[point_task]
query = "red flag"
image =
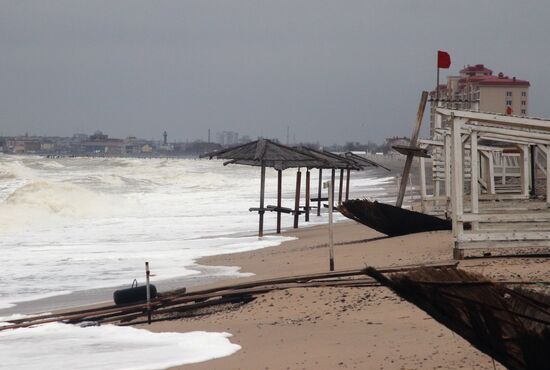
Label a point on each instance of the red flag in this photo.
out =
(443, 59)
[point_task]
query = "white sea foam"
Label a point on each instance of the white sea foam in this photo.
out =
(62, 346)
(79, 223)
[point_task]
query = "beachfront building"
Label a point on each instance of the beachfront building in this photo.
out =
(477, 89)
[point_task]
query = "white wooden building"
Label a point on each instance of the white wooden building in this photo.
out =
(484, 179)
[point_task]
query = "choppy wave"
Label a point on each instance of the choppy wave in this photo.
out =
(60, 198)
(70, 224)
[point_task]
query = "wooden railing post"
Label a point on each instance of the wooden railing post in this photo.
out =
(297, 198)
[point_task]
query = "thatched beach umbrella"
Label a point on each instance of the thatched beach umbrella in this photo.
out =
(266, 153)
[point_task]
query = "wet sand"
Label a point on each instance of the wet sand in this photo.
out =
(344, 328)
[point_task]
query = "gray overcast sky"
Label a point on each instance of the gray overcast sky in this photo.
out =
(334, 71)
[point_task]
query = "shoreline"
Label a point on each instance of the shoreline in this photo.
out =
(208, 273)
(91, 295)
(335, 327)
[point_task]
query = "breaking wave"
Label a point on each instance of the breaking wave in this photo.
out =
(60, 198)
(43, 203)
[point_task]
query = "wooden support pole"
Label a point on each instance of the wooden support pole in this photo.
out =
(148, 292)
(262, 196)
(330, 185)
(307, 194)
(503, 161)
(474, 165)
(341, 186)
(488, 171)
(423, 184)
(524, 165)
(279, 200)
(447, 141)
(319, 192)
(547, 151)
(457, 188)
(297, 198)
(333, 178)
(491, 171)
(348, 174)
(436, 181)
(533, 190)
(414, 139)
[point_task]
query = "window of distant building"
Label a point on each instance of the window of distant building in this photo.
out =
(524, 93)
(508, 102)
(523, 102)
(508, 93)
(523, 111)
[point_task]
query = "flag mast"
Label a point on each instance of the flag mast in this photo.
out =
(437, 83)
(443, 61)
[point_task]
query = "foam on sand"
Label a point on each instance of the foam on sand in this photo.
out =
(63, 346)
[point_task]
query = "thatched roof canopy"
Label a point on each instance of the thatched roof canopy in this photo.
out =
(263, 152)
(362, 161)
(332, 160)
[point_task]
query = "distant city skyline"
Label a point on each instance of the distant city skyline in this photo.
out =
(331, 71)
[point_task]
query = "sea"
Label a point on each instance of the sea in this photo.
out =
(72, 230)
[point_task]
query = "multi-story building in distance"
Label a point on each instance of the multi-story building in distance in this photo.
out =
(227, 138)
(477, 89)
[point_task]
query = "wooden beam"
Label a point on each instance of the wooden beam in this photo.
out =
(507, 244)
(509, 132)
(497, 216)
(179, 298)
(512, 139)
(508, 236)
(414, 138)
(540, 124)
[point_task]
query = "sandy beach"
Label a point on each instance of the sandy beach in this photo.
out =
(348, 328)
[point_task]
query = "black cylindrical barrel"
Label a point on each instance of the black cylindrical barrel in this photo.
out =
(133, 295)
